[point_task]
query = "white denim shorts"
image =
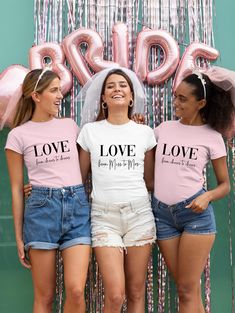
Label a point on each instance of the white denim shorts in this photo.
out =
(122, 225)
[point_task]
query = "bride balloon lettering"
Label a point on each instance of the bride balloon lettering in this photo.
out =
(93, 56)
(83, 64)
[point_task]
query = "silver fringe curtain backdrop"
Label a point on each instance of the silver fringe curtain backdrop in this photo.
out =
(187, 21)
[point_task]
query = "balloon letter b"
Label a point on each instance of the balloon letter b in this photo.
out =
(93, 55)
(54, 51)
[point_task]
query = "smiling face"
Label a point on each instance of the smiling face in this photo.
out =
(117, 92)
(48, 102)
(187, 107)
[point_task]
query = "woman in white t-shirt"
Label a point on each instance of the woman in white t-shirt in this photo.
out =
(121, 154)
(182, 207)
(56, 215)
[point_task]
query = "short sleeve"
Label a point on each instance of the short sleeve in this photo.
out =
(217, 148)
(82, 139)
(76, 128)
(157, 131)
(151, 142)
(14, 142)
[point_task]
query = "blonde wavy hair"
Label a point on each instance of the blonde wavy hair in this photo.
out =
(26, 104)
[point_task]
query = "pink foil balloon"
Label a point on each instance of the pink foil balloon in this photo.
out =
(189, 58)
(120, 44)
(11, 80)
(145, 40)
(37, 54)
(93, 54)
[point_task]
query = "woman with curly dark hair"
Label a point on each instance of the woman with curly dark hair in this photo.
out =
(182, 206)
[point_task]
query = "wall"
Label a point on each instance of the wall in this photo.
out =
(16, 33)
(222, 273)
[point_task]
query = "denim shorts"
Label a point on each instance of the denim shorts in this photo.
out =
(122, 225)
(172, 220)
(56, 218)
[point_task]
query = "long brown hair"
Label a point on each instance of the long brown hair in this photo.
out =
(26, 105)
(103, 113)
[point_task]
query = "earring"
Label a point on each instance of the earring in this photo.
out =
(104, 109)
(131, 103)
(104, 105)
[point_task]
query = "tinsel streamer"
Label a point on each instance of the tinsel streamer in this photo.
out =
(149, 289)
(50, 20)
(207, 286)
(192, 17)
(59, 282)
(60, 19)
(168, 295)
(161, 284)
(71, 27)
(182, 29)
(35, 11)
(71, 22)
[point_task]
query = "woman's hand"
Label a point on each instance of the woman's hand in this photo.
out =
(27, 190)
(138, 118)
(223, 187)
(21, 254)
(200, 203)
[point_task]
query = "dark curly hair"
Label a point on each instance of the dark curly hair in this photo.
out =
(219, 111)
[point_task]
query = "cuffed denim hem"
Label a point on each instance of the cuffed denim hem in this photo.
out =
(37, 245)
(76, 241)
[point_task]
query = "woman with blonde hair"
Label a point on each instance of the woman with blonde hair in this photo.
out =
(56, 215)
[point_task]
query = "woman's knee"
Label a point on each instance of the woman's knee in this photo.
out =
(116, 299)
(46, 298)
(136, 293)
(75, 293)
(187, 291)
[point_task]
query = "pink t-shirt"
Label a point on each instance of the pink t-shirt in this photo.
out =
(181, 156)
(49, 150)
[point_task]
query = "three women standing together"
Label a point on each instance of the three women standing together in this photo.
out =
(121, 155)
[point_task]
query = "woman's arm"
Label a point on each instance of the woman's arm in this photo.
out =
(16, 173)
(85, 163)
(149, 169)
(223, 186)
(222, 177)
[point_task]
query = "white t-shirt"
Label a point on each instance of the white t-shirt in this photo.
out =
(117, 159)
(49, 150)
(181, 156)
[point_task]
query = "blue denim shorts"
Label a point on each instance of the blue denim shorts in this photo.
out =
(172, 220)
(56, 218)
